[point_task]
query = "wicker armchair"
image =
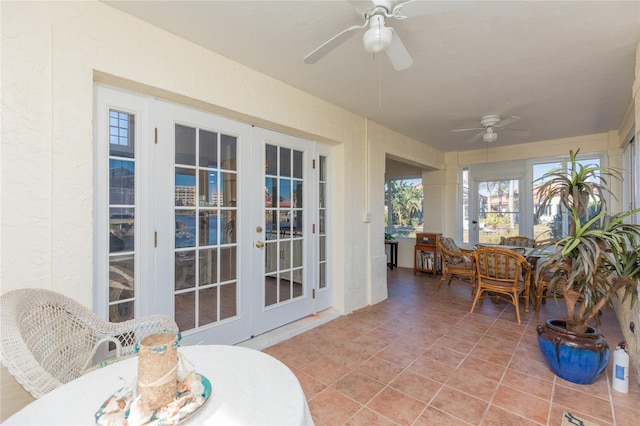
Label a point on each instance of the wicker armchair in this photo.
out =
(48, 339)
(502, 274)
(457, 262)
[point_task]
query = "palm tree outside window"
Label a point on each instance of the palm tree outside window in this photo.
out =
(403, 207)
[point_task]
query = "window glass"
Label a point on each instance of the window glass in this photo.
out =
(554, 222)
(122, 215)
(498, 210)
(543, 223)
(465, 205)
(403, 207)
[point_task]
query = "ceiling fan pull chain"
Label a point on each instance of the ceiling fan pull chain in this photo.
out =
(379, 83)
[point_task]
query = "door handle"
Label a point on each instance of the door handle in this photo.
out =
(259, 244)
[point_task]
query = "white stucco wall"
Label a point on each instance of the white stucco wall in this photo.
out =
(52, 52)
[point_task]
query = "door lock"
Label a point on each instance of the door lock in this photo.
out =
(259, 244)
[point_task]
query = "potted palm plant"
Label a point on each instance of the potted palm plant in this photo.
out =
(597, 260)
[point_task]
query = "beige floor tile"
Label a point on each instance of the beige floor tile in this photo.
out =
(325, 370)
(532, 385)
(417, 386)
(397, 406)
(359, 387)
(497, 416)
(472, 365)
(460, 404)
(332, 407)
(582, 402)
(366, 417)
(397, 355)
(522, 404)
(473, 384)
(431, 368)
(432, 416)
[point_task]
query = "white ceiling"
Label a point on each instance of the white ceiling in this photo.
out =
(566, 67)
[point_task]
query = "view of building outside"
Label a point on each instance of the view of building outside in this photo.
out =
(403, 207)
(498, 210)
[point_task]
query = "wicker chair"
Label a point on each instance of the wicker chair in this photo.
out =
(457, 262)
(48, 339)
(502, 273)
(518, 241)
(543, 290)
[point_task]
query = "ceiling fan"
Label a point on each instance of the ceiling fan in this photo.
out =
(490, 126)
(378, 37)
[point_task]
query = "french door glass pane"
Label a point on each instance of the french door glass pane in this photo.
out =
(284, 224)
(185, 145)
(322, 229)
(121, 289)
(122, 208)
(499, 210)
(205, 227)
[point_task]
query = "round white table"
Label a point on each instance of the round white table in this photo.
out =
(248, 387)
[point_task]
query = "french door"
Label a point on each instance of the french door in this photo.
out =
(495, 202)
(231, 221)
(200, 178)
(283, 256)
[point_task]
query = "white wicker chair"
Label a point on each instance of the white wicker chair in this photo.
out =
(48, 339)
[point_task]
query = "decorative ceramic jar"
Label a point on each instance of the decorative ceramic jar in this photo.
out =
(576, 357)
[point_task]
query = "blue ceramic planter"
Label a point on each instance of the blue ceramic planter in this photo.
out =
(576, 357)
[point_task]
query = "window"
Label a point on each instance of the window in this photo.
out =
(498, 207)
(553, 222)
(544, 220)
(465, 205)
(403, 207)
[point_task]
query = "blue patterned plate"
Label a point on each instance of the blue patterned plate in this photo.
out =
(122, 396)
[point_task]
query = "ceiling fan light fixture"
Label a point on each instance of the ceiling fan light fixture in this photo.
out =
(378, 37)
(490, 136)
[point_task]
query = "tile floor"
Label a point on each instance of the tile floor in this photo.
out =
(420, 358)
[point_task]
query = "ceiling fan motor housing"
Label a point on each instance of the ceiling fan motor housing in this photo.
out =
(490, 120)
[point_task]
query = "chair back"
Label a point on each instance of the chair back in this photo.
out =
(500, 265)
(518, 241)
(48, 339)
(450, 251)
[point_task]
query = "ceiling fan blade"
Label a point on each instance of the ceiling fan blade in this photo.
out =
(506, 121)
(466, 130)
(332, 43)
(362, 5)
(398, 54)
(476, 137)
